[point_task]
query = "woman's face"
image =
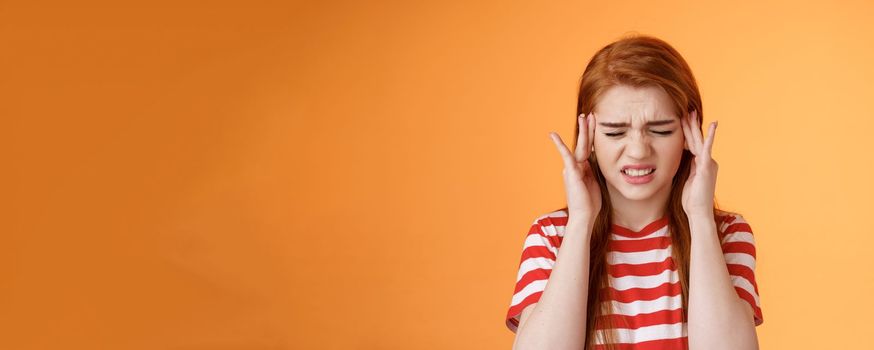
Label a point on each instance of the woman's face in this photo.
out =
(638, 128)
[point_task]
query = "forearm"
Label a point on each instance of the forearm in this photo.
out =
(558, 320)
(717, 316)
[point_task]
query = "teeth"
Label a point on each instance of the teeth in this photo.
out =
(637, 172)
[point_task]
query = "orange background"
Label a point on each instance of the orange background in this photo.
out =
(361, 175)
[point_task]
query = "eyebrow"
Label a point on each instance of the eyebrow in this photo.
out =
(625, 125)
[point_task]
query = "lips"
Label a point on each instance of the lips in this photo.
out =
(638, 180)
(638, 166)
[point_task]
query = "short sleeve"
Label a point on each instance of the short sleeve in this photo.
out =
(538, 257)
(739, 250)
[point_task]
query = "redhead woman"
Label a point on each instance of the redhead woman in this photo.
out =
(641, 257)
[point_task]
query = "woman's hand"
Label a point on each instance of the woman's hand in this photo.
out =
(583, 193)
(700, 187)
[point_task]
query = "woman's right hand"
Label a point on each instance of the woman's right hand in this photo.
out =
(583, 193)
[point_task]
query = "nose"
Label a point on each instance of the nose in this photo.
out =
(638, 146)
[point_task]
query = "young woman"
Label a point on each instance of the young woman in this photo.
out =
(641, 257)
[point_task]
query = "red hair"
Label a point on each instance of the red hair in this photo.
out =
(636, 61)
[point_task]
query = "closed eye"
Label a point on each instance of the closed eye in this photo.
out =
(663, 133)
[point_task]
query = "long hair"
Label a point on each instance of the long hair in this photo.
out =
(636, 61)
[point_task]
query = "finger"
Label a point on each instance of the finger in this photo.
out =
(591, 127)
(588, 174)
(694, 166)
(582, 139)
(566, 155)
(685, 137)
(696, 129)
(711, 134)
(687, 134)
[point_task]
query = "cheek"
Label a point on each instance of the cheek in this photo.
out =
(675, 141)
(672, 151)
(604, 149)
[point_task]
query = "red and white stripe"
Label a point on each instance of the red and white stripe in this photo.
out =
(644, 289)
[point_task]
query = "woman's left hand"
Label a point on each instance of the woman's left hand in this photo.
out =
(698, 192)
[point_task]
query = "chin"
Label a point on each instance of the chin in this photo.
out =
(637, 194)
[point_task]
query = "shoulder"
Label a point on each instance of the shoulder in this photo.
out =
(733, 226)
(551, 223)
(559, 214)
(726, 218)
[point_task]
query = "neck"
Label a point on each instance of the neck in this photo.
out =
(636, 214)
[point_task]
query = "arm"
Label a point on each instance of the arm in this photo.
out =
(718, 318)
(558, 319)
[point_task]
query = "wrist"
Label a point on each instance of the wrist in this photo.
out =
(579, 225)
(699, 213)
(701, 221)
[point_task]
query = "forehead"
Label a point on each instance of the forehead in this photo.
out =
(626, 103)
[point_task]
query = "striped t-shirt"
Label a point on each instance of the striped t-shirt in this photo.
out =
(647, 295)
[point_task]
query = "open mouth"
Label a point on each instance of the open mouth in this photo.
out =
(638, 172)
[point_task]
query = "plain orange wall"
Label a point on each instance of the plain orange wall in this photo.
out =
(361, 175)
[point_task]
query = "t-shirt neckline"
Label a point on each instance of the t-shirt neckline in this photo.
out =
(648, 229)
